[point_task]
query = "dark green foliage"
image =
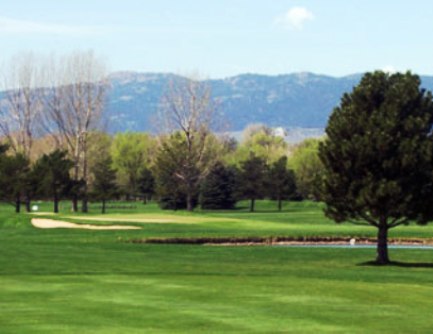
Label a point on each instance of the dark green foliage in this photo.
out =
(281, 182)
(218, 188)
(13, 177)
(171, 195)
(56, 182)
(146, 184)
(104, 185)
(252, 179)
(34, 184)
(169, 170)
(378, 155)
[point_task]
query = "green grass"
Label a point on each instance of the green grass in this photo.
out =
(69, 281)
(296, 219)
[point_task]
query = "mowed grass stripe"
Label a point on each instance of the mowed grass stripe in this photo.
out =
(296, 289)
(69, 281)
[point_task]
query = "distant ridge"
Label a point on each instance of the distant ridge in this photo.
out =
(293, 101)
(298, 100)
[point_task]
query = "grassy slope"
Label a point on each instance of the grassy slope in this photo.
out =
(91, 281)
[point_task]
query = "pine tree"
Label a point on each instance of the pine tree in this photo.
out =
(146, 184)
(281, 183)
(104, 185)
(56, 181)
(252, 179)
(218, 188)
(13, 177)
(176, 179)
(378, 155)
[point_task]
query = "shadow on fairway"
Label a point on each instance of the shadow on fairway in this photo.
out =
(398, 264)
(247, 211)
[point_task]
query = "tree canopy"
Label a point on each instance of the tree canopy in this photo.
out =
(56, 181)
(104, 185)
(307, 167)
(281, 183)
(378, 155)
(131, 153)
(252, 179)
(218, 188)
(263, 142)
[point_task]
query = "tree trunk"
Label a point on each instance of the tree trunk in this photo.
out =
(382, 245)
(75, 175)
(252, 204)
(74, 203)
(28, 203)
(189, 205)
(18, 203)
(85, 202)
(280, 204)
(56, 203)
(103, 206)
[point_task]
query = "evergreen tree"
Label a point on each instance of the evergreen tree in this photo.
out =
(34, 184)
(281, 183)
(175, 178)
(13, 177)
(252, 179)
(218, 188)
(146, 184)
(378, 155)
(104, 185)
(56, 181)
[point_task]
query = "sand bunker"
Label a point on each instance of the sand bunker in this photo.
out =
(137, 220)
(50, 223)
(132, 220)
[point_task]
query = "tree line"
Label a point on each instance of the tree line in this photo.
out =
(51, 117)
(141, 167)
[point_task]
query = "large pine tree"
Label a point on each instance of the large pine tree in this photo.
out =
(378, 155)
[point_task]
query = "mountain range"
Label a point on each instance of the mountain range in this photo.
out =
(294, 101)
(300, 102)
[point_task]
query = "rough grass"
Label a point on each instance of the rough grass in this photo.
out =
(69, 281)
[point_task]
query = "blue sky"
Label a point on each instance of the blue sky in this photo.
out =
(220, 38)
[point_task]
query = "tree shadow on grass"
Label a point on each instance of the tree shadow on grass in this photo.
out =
(246, 210)
(398, 264)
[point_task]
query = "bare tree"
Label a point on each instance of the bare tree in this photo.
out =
(74, 105)
(20, 108)
(187, 108)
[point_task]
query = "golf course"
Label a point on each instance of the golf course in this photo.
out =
(73, 280)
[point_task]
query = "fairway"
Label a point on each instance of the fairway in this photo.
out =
(69, 281)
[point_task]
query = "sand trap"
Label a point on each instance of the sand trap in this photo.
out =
(50, 223)
(133, 220)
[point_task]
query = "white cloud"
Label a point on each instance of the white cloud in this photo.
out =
(14, 26)
(295, 18)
